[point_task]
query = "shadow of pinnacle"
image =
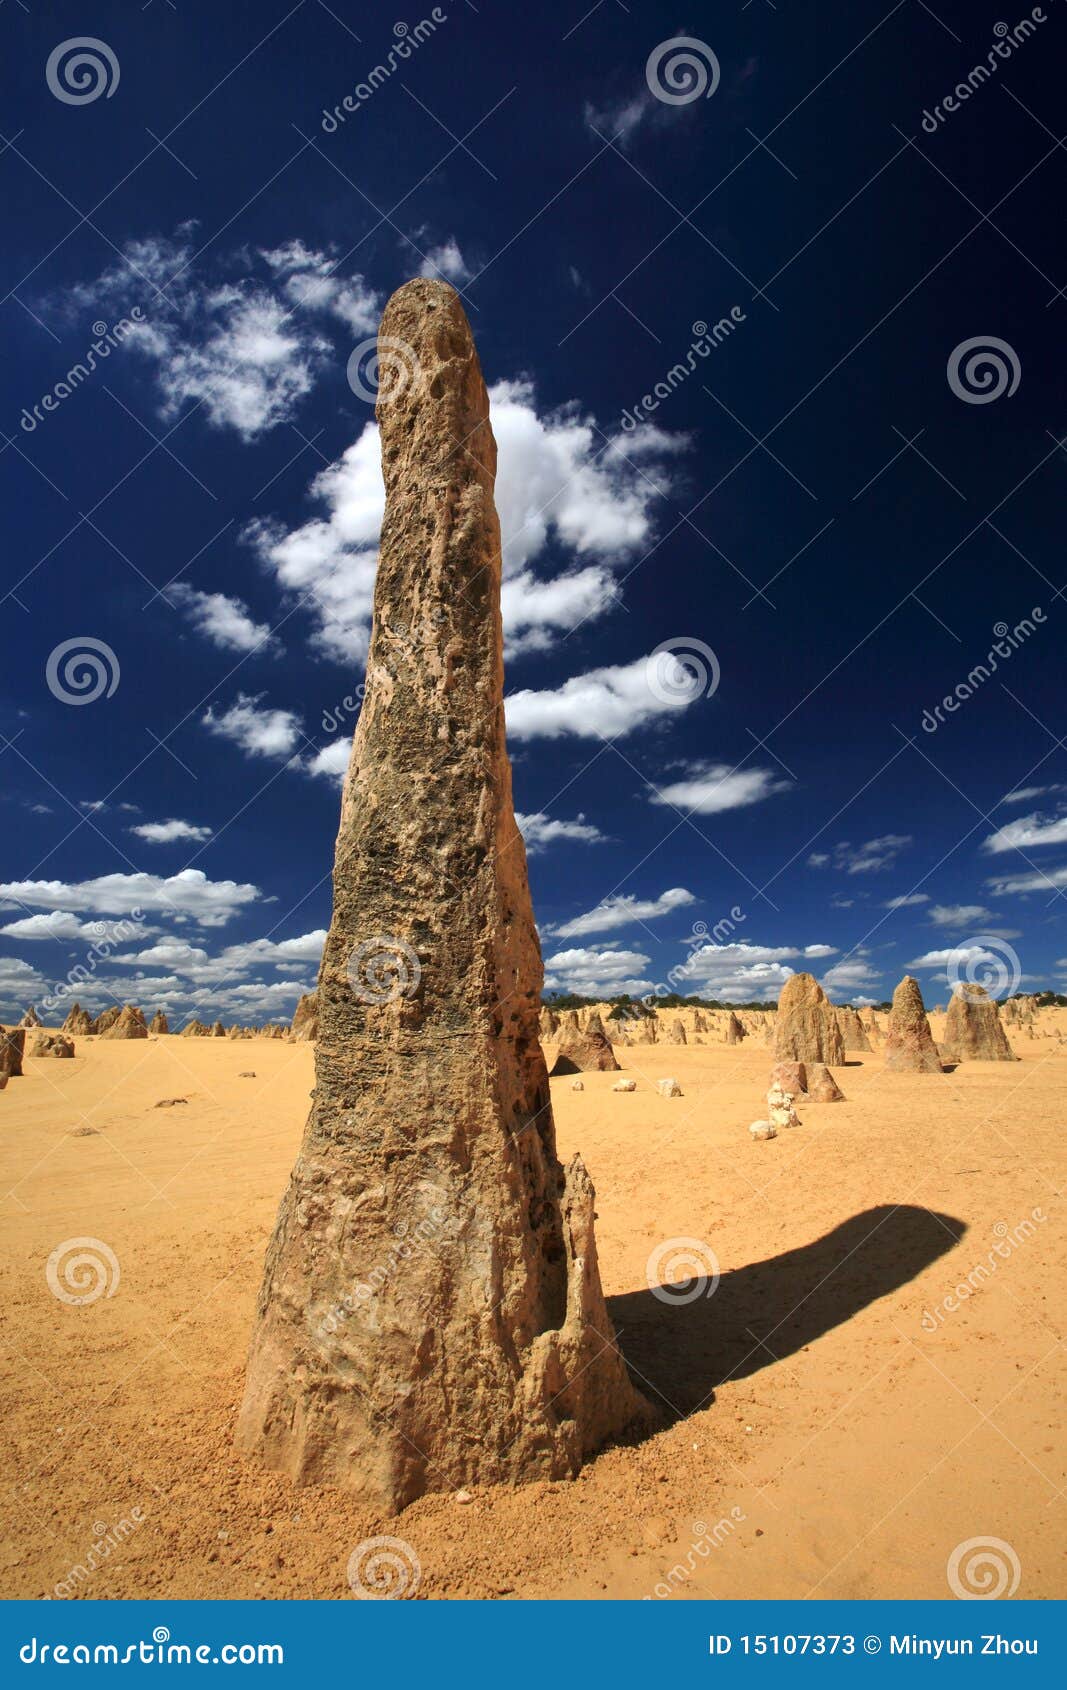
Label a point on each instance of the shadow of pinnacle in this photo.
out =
(680, 1351)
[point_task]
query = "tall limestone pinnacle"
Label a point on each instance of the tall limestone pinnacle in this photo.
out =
(431, 1312)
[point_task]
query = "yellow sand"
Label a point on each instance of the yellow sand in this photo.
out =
(821, 1442)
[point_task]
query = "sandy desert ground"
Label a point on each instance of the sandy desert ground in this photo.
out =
(820, 1438)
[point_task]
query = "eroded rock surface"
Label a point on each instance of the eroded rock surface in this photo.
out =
(431, 1315)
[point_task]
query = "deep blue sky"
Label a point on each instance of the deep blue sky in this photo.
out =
(589, 226)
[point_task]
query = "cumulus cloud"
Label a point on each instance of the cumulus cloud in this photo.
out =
(446, 262)
(258, 731)
(562, 487)
(593, 973)
(958, 915)
(247, 351)
(65, 925)
(175, 956)
(623, 911)
(332, 761)
(1040, 881)
(738, 972)
(603, 704)
(188, 894)
(907, 900)
(868, 858)
(225, 621)
(166, 833)
(963, 956)
(845, 978)
(540, 831)
(1027, 833)
(20, 983)
(710, 788)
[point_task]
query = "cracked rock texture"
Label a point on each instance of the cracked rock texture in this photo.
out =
(431, 1314)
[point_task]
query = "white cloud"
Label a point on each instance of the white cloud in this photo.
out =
(844, 978)
(1024, 794)
(624, 911)
(179, 958)
(1027, 833)
(739, 972)
(247, 352)
(602, 704)
(225, 621)
(964, 956)
(540, 831)
(19, 985)
(188, 894)
(332, 761)
(619, 122)
(446, 262)
(907, 901)
(65, 925)
(561, 486)
(259, 732)
(594, 972)
(868, 858)
(958, 915)
(1039, 881)
(165, 833)
(818, 859)
(710, 788)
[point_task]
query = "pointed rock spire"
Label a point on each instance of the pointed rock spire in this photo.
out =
(431, 1313)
